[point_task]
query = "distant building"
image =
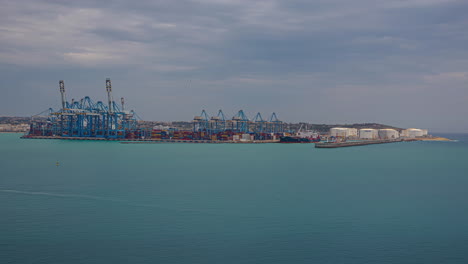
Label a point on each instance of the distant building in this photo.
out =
(14, 127)
(5, 127)
(388, 134)
(368, 133)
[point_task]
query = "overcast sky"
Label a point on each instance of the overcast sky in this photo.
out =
(398, 62)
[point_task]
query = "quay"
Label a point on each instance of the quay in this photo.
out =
(148, 141)
(199, 141)
(358, 143)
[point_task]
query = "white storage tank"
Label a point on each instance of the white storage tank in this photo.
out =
(404, 133)
(414, 132)
(339, 132)
(368, 133)
(388, 134)
(352, 132)
(344, 132)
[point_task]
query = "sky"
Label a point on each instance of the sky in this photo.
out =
(398, 62)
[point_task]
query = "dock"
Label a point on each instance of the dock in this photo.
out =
(150, 141)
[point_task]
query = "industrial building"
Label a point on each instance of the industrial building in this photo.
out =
(388, 134)
(368, 133)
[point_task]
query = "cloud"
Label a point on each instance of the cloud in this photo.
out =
(90, 58)
(86, 36)
(301, 57)
(445, 77)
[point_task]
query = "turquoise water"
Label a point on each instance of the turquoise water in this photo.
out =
(232, 203)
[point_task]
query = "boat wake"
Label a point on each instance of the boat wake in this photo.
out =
(63, 195)
(106, 199)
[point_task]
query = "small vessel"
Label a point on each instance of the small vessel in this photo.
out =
(306, 136)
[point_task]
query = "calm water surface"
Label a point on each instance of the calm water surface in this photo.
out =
(232, 203)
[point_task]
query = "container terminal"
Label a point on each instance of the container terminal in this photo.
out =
(86, 119)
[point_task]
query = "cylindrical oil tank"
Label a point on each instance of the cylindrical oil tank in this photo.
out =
(388, 134)
(368, 133)
(352, 132)
(413, 132)
(338, 132)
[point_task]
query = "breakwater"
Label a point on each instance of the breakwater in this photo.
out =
(357, 143)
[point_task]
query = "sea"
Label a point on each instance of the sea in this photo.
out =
(67, 202)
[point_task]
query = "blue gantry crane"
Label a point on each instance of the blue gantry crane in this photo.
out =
(218, 123)
(240, 122)
(259, 125)
(201, 123)
(84, 118)
(274, 125)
